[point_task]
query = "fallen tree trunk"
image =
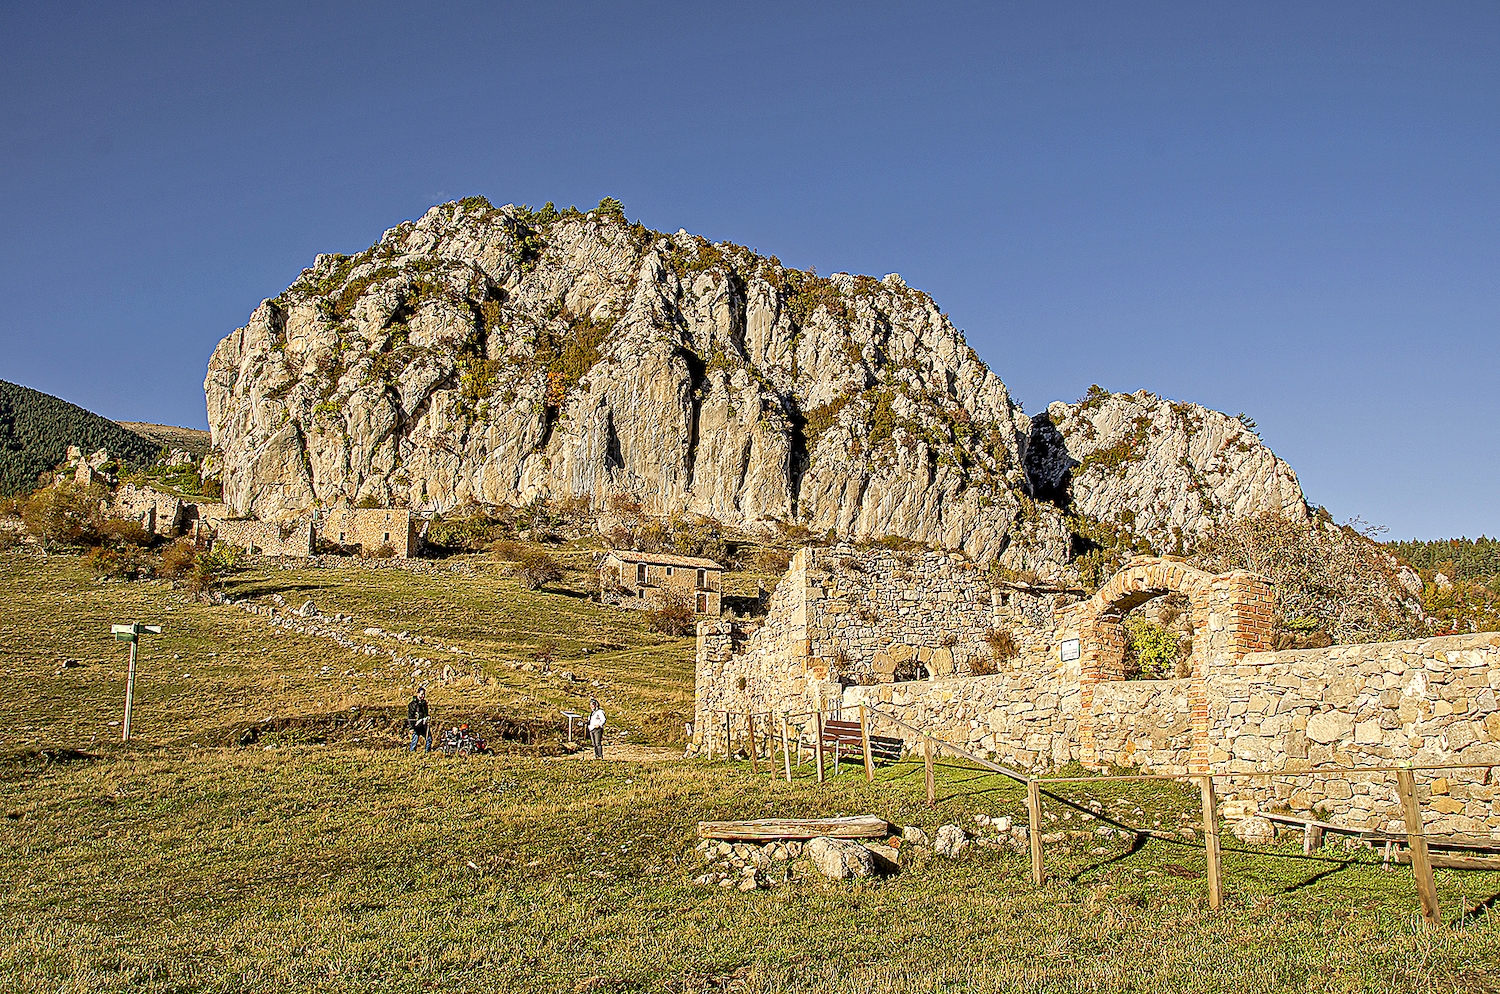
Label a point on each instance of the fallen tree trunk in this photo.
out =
(854, 827)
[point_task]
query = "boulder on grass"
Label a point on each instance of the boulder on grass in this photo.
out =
(951, 841)
(839, 859)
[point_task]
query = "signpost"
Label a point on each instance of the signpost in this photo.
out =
(131, 633)
(571, 716)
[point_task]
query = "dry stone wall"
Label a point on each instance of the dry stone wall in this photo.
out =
(1428, 702)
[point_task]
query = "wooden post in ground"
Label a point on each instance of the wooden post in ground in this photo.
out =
(754, 746)
(1034, 832)
(927, 762)
(864, 734)
(1421, 865)
(1211, 844)
(786, 748)
(1312, 838)
(728, 740)
(818, 743)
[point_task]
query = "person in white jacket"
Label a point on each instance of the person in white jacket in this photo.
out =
(596, 728)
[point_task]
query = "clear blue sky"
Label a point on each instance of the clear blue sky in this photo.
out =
(1284, 209)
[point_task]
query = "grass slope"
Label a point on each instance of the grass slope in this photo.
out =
(37, 428)
(167, 867)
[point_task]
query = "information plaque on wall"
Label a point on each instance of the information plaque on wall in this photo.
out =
(1070, 650)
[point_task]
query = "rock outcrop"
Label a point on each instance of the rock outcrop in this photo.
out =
(1155, 469)
(495, 355)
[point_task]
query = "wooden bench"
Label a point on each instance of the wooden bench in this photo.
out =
(847, 739)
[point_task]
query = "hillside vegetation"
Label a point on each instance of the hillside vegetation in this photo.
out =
(37, 428)
(1460, 578)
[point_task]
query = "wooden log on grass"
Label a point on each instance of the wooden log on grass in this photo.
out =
(853, 827)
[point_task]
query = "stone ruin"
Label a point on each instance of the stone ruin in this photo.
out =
(915, 635)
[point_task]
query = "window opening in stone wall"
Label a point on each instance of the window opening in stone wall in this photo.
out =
(669, 571)
(702, 603)
(703, 579)
(386, 537)
(1159, 638)
(640, 574)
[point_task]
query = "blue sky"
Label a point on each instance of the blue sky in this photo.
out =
(1291, 210)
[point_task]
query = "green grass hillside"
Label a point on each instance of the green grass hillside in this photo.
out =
(37, 428)
(324, 857)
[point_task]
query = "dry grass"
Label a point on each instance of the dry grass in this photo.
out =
(166, 867)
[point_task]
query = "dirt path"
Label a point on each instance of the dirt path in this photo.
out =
(630, 753)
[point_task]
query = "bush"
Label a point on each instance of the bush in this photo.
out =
(66, 514)
(508, 550)
(1151, 650)
(675, 617)
(1002, 645)
(1329, 573)
(178, 559)
(535, 570)
(124, 562)
(773, 561)
(123, 531)
(210, 568)
(982, 666)
(8, 539)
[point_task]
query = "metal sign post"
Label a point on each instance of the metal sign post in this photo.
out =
(131, 633)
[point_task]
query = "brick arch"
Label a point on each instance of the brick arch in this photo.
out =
(1231, 616)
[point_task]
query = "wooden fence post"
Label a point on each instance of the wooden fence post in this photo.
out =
(753, 744)
(818, 742)
(1211, 844)
(1421, 865)
(786, 748)
(927, 763)
(864, 733)
(728, 740)
(1034, 817)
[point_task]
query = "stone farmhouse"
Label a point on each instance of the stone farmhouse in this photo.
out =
(648, 579)
(1035, 678)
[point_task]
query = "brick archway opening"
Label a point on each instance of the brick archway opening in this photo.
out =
(1231, 615)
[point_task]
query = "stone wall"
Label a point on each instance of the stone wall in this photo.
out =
(1426, 702)
(265, 538)
(159, 513)
(844, 617)
(839, 620)
(1144, 723)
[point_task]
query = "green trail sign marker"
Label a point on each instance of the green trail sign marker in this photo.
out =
(131, 633)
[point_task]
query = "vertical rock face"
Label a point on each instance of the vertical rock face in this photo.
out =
(1159, 470)
(496, 355)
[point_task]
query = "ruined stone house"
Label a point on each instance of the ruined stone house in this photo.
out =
(371, 529)
(650, 579)
(915, 635)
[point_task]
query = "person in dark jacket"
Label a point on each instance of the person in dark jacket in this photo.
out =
(416, 720)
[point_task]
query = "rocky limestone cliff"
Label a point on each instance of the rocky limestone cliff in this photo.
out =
(1155, 469)
(494, 355)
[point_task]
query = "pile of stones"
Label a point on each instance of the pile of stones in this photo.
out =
(746, 866)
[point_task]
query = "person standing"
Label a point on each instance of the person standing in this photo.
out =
(416, 720)
(596, 728)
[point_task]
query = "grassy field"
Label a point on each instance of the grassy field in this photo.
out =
(354, 866)
(217, 666)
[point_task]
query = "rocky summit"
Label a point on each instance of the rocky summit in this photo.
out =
(494, 355)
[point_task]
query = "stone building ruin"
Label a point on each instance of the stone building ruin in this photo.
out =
(914, 635)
